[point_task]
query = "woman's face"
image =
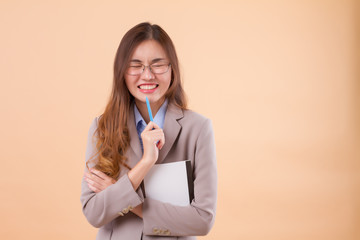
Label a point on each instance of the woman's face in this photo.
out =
(148, 84)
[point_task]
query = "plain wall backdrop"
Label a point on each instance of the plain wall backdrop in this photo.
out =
(279, 79)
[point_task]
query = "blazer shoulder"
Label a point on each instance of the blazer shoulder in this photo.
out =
(95, 120)
(195, 118)
(93, 126)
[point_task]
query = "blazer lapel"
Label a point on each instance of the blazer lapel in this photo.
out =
(134, 138)
(171, 129)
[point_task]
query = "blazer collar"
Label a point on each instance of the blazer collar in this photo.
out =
(171, 130)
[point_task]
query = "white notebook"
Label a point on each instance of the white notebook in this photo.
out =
(170, 183)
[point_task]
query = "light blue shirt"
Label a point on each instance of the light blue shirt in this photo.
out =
(158, 119)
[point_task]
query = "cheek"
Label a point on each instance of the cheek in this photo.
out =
(130, 83)
(166, 81)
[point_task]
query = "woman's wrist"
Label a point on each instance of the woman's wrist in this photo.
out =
(148, 160)
(138, 173)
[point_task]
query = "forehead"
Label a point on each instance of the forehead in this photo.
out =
(148, 50)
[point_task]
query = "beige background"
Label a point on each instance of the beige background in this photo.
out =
(279, 79)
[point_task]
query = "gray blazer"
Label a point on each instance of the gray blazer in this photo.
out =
(188, 136)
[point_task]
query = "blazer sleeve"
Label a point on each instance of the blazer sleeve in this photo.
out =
(196, 219)
(116, 200)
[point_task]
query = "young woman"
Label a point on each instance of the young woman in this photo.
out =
(123, 144)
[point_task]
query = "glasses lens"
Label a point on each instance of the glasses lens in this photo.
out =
(138, 68)
(135, 69)
(160, 67)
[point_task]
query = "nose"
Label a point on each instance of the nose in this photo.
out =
(147, 74)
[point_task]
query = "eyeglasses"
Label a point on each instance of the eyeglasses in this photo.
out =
(135, 69)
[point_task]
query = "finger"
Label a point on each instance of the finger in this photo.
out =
(154, 132)
(99, 173)
(150, 126)
(102, 180)
(89, 175)
(151, 137)
(161, 142)
(93, 188)
(96, 178)
(100, 183)
(94, 183)
(157, 138)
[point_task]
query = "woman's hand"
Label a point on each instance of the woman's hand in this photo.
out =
(97, 180)
(138, 210)
(153, 139)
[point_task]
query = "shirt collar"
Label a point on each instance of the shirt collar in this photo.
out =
(158, 119)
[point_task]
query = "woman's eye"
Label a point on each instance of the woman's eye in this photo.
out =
(135, 66)
(158, 65)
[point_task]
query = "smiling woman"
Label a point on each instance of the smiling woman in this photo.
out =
(123, 145)
(154, 77)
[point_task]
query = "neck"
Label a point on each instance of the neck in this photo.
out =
(142, 107)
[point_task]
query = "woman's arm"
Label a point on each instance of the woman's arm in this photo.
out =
(103, 199)
(153, 140)
(198, 218)
(114, 201)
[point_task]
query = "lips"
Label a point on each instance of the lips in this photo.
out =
(148, 87)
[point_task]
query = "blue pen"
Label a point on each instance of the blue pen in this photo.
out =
(149, 109)
(150, 113)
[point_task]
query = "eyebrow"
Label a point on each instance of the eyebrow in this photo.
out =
(157, 60)
(152, 61)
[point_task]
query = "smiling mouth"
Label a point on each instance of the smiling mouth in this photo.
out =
(148, 86)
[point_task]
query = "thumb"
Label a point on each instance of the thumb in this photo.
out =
(151, 125)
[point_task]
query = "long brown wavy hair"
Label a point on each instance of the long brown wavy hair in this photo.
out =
(112, 133)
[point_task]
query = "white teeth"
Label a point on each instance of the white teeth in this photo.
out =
(147, 87)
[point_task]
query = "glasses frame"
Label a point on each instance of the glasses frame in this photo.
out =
(148, 66)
